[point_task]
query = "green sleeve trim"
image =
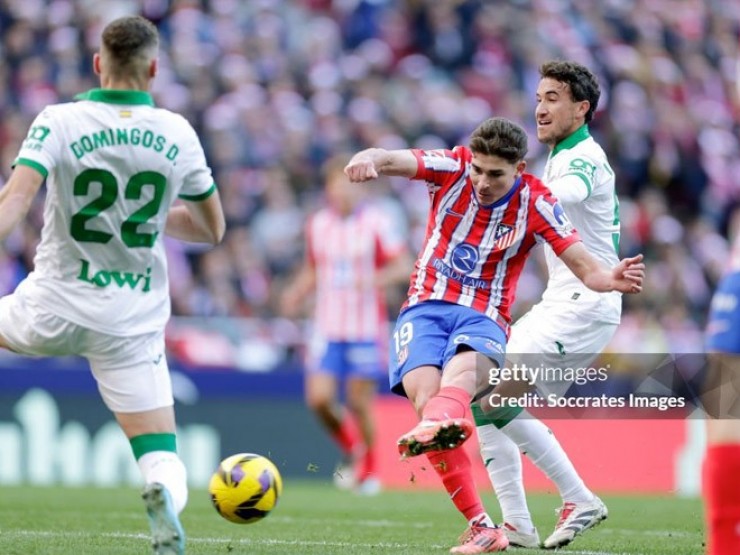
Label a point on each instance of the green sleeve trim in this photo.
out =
(148, 443)
(585, 180)
(202, 196)
(499, 417)
(32, 164)
(615, 242)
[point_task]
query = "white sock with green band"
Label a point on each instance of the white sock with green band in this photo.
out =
(158, 461)
(544, 450)
(504, 466)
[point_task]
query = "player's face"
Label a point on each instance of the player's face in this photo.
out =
(493, 177)
(557, 114)
(342, 195)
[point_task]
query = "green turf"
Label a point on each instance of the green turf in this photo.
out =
(314, 518)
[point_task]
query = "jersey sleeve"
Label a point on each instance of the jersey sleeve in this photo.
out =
(197, 182)
(570, 189)
(577, 181)
(550, 224)
(439, 168)
(41, 148)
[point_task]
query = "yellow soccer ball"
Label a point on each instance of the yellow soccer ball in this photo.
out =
(245, 488)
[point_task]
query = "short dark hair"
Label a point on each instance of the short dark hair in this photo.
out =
(582, 82)
(500, 137)
(130, 41)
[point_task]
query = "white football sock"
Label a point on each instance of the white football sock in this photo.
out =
(166, 468)
(544, 450)
(504, 466)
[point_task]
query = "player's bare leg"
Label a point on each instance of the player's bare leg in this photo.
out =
(320, 391)
(360, 395)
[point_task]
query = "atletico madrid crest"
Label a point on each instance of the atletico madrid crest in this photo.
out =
(503, 238)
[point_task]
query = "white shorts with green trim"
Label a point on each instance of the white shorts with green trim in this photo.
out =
(131, 372)
(558, 336)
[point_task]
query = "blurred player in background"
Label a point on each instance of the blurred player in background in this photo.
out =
(570, 321)
(114, 165)
(721, 472)
(486, 215)
(354, 252)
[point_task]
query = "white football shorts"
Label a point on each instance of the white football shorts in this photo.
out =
(558, 336)
(131, 372)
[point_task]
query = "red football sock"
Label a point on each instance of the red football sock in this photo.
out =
(346, 436)
(456, 471)
(722, 498)
(450, 402)
(367, 464)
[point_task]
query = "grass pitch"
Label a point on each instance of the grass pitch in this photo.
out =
(314, 518)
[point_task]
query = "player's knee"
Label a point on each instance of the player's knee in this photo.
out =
(321, 404)
(420, 386)
(360, 408)
(421, 398)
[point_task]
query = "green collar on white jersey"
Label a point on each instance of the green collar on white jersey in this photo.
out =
(117, 96)
(580, 134)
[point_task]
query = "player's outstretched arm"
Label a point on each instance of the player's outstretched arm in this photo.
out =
(294, 296)
(16, 197)
(200, 222)
(368, 164)
(625, 277)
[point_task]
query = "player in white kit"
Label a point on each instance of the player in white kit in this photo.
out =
(571, 323)
(114, 165)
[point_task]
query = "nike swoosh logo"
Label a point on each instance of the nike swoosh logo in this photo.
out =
(157, 360)
(451, 212)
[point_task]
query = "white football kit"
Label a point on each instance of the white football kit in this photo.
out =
(573, 323)
(114, 165)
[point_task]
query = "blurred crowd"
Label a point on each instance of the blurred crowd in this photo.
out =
(275, 87)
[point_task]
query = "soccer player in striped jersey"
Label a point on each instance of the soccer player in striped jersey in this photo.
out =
(114, 164)
(486, 215)
(354, 252)
(721, 400)
(571, 325)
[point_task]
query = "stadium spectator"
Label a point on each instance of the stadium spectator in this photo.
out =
(571, 325)
(486, 215)
(277, 84)
(354, 254)
(99, 288)
(286, 85)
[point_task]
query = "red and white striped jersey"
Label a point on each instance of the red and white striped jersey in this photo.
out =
(347, 252)
(472, 254)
